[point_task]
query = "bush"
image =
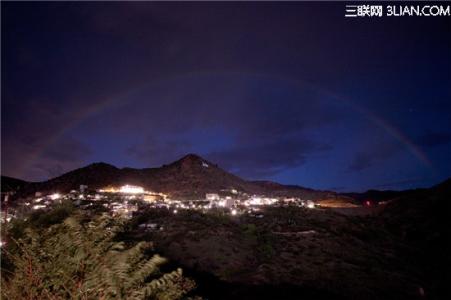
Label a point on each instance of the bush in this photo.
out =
(56, 215)
(250, 232)
(83, 261)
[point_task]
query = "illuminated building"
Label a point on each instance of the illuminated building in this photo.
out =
(310, 204)
(131, 189)
(55, 196)
(212, 197)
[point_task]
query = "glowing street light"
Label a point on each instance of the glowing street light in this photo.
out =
(38, 206)
(55, 196)
(310, 204)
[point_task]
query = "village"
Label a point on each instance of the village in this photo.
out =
(126, 200)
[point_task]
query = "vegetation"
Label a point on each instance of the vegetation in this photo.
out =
(82, 259)
(283, 253)
(262, 239)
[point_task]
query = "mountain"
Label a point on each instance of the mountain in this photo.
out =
(187, 178)
(9, 184)
(190, 177)
(419, 220)
(416, 212)
(276, 189)
(376, 196)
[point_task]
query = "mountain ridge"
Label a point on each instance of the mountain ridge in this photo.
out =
(189, 177)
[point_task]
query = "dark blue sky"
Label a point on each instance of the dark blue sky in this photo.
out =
(292, 92)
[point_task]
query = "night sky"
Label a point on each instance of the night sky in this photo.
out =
(291, 92)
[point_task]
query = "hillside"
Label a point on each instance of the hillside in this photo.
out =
(276, 189)
(419, 219)
(188, 178)
(11, 184)
(377, 196)
(401, 252)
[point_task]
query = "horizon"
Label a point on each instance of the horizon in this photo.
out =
(225, 150)
(289, 92)
(246, 179)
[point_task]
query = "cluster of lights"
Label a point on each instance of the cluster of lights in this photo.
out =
(55, 196)
(260, 201)
(125, 189)
(134, 191)
(124, 209)
(43, 202)
(121, 205)
(131, 189)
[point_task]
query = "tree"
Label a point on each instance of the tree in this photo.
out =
(76, 260)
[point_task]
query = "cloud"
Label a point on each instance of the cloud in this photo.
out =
(28, 132)
(154, 153)
(42, 161)
(258, 161)
(361, 162)
(374, 153)
(398, 183)
(62, 156)
(256, 158)
(118, 74)
(433, 139)
(250, 124)
(336, 188)
(47, 170)
(67, 150)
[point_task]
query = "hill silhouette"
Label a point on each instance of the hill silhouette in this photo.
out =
(189, 177)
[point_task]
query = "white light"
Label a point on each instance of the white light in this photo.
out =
(2, 243)
(38, 206)
(234, 212)
(131, 189)
(175, 211)
(55, 196)
(310, 204)
(256, 201)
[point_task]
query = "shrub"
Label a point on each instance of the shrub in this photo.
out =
(57, 215)
(83, 261)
